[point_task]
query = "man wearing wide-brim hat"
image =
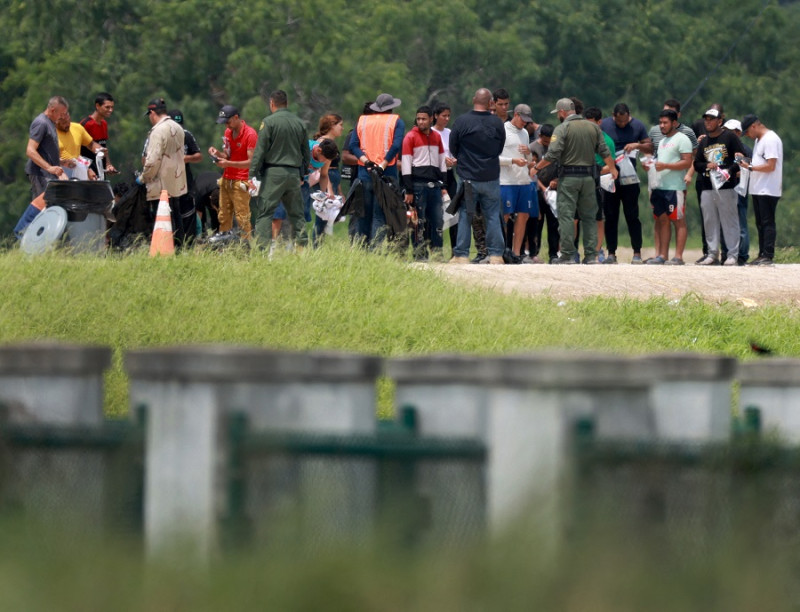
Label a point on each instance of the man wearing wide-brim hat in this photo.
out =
(376, 142)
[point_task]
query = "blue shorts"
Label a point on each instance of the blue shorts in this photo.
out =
(519, 199)
(280, 212)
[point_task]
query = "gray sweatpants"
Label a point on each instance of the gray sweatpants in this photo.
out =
(720, 210)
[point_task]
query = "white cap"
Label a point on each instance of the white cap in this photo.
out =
(733, 124)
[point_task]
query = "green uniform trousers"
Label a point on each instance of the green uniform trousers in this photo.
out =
(577, 193)
(279, 185)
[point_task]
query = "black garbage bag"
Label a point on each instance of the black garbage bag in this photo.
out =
(79, 198)
(354, 202)
(134, 220)
(390, 199)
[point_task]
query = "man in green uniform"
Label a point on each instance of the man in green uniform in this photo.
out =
(574, 145)
(279, 162)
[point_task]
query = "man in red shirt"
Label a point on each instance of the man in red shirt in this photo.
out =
(234, 199)
(424, 169)
(97, 127)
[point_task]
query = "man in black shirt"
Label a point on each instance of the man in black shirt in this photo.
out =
(476, 141)
(717, 175)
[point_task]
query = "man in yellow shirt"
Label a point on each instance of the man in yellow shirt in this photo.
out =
(71, 137)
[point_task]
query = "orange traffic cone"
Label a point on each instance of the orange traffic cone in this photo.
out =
(162, 242)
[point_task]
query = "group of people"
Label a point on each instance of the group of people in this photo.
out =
(280, 157)
(506, 177)
(517, 176)
(59, 148)
(496, 176)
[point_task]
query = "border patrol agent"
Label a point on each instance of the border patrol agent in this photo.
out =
(574, 145)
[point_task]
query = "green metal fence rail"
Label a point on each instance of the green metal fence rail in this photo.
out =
(118, 443)
(396, 448)
(747, 449)
(692, 495)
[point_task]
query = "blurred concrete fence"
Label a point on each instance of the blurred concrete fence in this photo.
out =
(233, 446)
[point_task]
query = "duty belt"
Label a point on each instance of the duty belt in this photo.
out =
(577, 170)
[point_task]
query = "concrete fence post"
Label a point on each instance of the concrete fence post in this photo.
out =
(189, 393)
(60, 385)
(53, 383)
(773, 386)
(691, 396)
(525, 407)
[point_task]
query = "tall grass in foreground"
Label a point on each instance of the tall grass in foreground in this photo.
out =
(609, 568)
(340, 298)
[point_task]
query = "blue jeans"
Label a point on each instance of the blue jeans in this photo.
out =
(487, 195)
(428, 202)
(744, 233)
(25, 220)
(335, 179)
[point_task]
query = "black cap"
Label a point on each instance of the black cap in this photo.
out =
(747, 121)
(226, 112)
(177, 116)
(158, 105)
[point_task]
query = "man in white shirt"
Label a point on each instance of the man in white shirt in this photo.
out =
(766, 184)
(516, 189)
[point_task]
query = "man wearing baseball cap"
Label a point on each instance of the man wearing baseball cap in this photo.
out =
(714, 161)
(766, 184)
(239, 142)
(741, 200)
(574, 146)
(516, 191)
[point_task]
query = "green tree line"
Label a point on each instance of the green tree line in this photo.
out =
(335, 55)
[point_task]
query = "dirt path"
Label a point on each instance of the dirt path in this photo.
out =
(750, 286)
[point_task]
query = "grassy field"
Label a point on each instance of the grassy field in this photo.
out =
(347, 299)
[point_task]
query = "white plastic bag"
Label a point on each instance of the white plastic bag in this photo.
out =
(551, 197)
(653, 175)
(79, 170)
(719, 176)
(627, 173)
(608, 183)
(744, 181)
(327, 207)
(448, 220)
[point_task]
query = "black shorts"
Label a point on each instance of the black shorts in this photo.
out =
(600, 202)
(664, 202)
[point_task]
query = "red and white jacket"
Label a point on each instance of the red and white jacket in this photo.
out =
(423, 157)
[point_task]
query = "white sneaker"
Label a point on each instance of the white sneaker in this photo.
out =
(731, 261)
(708, 261)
